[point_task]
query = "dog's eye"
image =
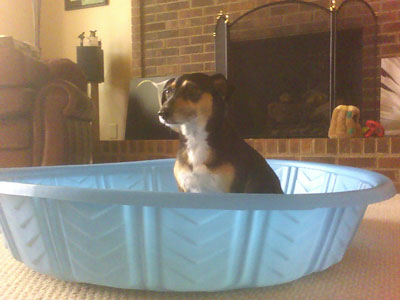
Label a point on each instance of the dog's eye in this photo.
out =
(168, 92)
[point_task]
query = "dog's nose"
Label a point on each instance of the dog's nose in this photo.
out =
(163, 113)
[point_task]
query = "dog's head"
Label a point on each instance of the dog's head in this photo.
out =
(191, 98)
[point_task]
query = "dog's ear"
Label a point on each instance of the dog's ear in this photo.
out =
(220, 84)
(166, 85)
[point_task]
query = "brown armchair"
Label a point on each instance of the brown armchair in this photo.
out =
(45, 114)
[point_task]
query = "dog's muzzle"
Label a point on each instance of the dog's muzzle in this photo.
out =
(164, 115)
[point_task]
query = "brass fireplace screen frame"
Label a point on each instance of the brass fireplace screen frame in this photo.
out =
(222, 41)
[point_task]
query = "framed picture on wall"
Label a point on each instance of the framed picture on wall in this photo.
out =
(77, 4)
(390, 95)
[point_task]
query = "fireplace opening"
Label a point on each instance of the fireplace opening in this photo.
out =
(281, 85)
(292, 61)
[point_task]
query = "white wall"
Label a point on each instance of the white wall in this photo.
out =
(16, 19)
(59, 38)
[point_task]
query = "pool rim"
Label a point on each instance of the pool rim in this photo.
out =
(384, 189)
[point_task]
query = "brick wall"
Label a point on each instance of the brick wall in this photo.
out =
(175, 36)
(378, 154)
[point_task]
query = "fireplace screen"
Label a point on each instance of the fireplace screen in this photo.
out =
(291, 62)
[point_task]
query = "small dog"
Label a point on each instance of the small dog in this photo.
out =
(211, 156)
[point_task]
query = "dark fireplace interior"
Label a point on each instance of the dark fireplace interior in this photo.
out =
(281, 85)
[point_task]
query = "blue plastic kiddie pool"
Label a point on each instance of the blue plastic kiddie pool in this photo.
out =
(125, 225)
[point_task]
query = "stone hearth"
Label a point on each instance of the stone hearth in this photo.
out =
(377, 154)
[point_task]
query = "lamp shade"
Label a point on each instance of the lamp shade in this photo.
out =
(91, 60)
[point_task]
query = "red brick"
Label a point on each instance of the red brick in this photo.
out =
(141, 146)
(191, 49)
(259, 145)
(173, 24)
(200, 21)
(382, 145)
(203, 57)
(369, 145)
(387, 17)
(389, 50)
(389, 162)
(214, 10)
(202, 39)
(190, 31)
(181, 41)
(154, 9)
(306, 146)
(167, 16)
(149, 18)
(190, 13)
(202, 14)
(344, 146)
(332, 146)
(356, 145)
(208, 29)
(151, 36)
(167, 34)
(181, 59)
(319, 159)
(154, 26)
(154, 61)
(201, 3)
(250, 142)
(210, 67)
(189, 68)
(160, 146)
(131, 144)
(150, 146)
(360, 162)
(167, 70)
(282, 145)
(320, 146)
(392, 174)
(169, 147)
(209, 47)
(294, 146)
(150, 71)
(271, 146)
(153, 44)
(177, 5)
(395, 148)
(168, 52)
(390, 5)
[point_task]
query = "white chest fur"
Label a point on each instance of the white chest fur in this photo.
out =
(199, 178)
(202, 180)
(198, 149)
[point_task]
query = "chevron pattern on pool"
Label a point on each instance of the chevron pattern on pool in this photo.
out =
(177, 249)
(181, 249)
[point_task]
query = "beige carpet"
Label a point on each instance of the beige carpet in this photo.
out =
(369, 270)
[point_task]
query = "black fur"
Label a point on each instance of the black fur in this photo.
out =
(252, 174)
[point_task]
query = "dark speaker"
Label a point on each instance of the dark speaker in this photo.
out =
(91, 60)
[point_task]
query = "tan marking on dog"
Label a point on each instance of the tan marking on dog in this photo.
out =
(183, 111)
(186, 110)
(202, 179)
(225, 174)
(204, 106)
(179, 168)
